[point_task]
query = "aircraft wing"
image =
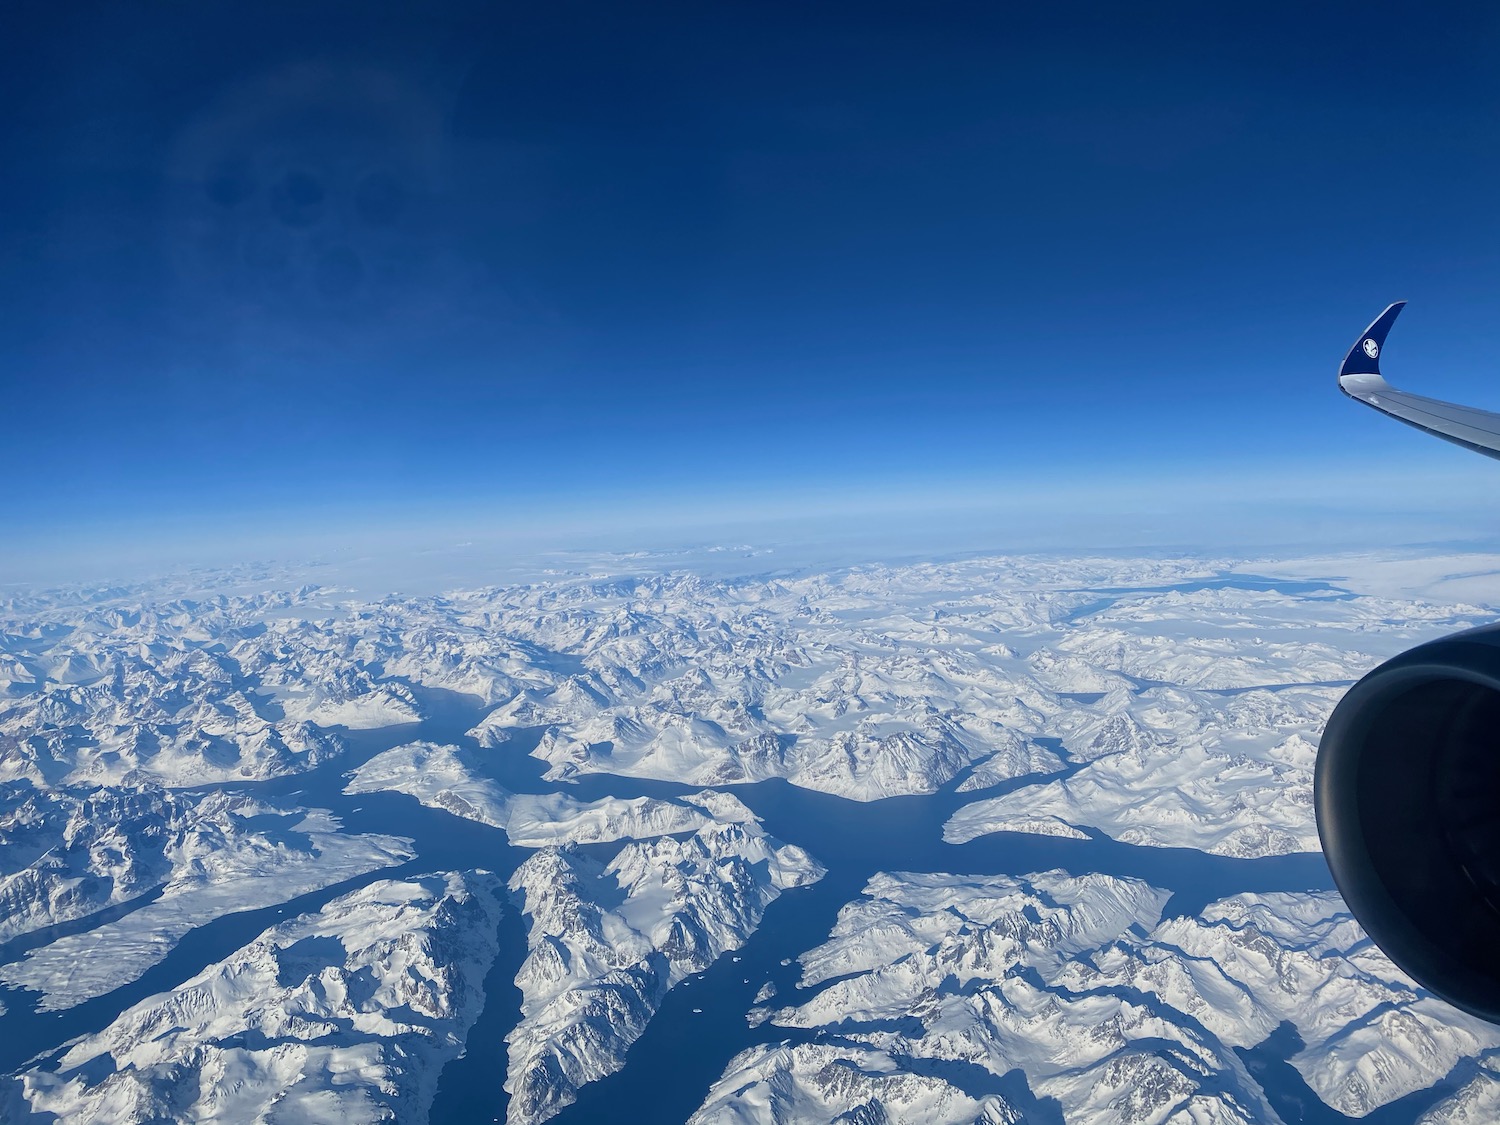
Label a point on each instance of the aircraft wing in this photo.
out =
(1360, 379)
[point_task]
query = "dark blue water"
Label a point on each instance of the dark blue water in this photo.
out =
(1288, 586)
(682, 1052)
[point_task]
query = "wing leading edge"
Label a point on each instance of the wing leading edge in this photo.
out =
(1360, 379)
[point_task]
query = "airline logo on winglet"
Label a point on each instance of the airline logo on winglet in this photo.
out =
(1372, 349)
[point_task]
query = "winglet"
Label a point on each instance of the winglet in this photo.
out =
(1364, 356)
(1360, 379)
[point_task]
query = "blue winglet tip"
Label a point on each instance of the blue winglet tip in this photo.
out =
(1364, 356)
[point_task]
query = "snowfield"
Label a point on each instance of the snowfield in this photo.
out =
(1164, 767)
(345, 1016)
(208, 862)
(595, 975)
(865, 683)
(153, 739)
(1113, 1013)
(438, 777)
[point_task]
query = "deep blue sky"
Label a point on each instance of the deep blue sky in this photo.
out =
(275, 262)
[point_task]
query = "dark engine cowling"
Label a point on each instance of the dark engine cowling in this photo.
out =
(1408, 802)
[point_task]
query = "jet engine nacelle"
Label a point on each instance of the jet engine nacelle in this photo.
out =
(1408, 802)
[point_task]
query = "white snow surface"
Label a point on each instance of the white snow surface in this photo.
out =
(68, 854)
(439, 777)
(1117, 1014)
(1476, 1102)
(215, 864)
(1159, 701)
(344, 1016)
(848, 1083)
(869, 682)
(1168, 767)
(1016, 757)
(608, 940)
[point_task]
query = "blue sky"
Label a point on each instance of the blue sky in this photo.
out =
(275, 267)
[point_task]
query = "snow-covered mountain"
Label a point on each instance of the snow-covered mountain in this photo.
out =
(1165, 767)
(346, 1015)
(439, 778)
(1156, 702)
(608, 940)
(844, 1082)
(68, 855)
(1113, 1014)
(865, 683)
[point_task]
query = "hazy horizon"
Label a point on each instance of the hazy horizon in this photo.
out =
(333, 272)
